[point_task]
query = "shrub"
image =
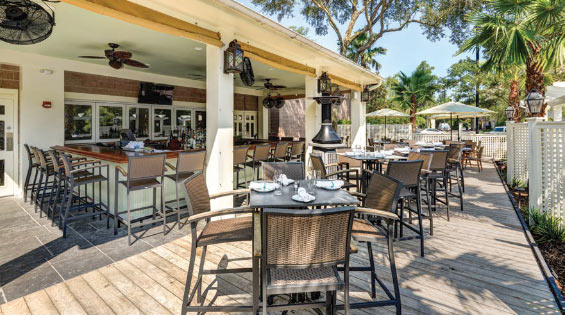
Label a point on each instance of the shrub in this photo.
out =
(546, 227)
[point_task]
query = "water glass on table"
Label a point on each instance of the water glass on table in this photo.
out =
(276, 179)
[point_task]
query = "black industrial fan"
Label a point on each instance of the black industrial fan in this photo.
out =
(23, 22)
(247, 76)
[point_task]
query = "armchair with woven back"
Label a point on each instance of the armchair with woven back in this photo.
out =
(347, 175)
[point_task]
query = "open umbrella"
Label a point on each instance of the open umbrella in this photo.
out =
(386, 112)
(459, 110)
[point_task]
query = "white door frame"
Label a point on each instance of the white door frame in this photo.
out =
(13, 94)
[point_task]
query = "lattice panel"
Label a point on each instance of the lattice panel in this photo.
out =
(519, 147)
(552, 137)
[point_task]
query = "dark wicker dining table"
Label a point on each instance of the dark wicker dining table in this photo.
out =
(262, 200)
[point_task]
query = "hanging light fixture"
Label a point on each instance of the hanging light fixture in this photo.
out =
(279, 102)
(510, 113)
(535, 101)
(324, 84)
(268, 102)
(233, 58)
(366, 94)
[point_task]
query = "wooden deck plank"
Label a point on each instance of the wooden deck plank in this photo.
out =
(91, 302)
(17, 306)
(64, 300)
(119, 303)
(39, 303)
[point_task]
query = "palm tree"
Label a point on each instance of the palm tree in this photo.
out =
(519, 33)
(415, 90)
(367, 58)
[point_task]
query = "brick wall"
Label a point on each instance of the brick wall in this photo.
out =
(245, 102)
(9, 77)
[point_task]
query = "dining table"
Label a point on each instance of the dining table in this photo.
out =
(262, 200)
(377, 158)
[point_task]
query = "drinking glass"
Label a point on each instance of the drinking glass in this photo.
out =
(311, 187)
(276, 179)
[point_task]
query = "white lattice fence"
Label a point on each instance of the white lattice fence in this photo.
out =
(547, 177)
(393, 131)
(517, 151)
(494, 145)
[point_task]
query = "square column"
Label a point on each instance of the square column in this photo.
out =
(313, 115)
(263, 119)
(358, 122)
(219, 127)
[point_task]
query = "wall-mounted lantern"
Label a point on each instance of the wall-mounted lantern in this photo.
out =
(535, 102)
(324, 84)
(233, 58)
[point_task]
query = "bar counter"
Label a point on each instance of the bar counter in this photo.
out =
(108, 154)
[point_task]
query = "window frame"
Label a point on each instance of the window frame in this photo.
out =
(94, 120)
(98, 127)
(150, 108)
(153, 108)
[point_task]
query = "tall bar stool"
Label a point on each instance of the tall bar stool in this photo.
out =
(260, 154)
(75, 177)
(455, 171)
(408, 173)
(280, 154)
(438, 177)
(187, 164)
(143, 173)
(33, 167)
(424, 183)
(239, 160)
(46, 185)
(297, 151)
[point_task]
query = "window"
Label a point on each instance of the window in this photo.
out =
(162, 123)
(78, 122)
(110, 122)
(138, 121)
(200, 123)
(183, 118)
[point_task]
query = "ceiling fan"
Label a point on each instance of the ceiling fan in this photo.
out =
(270, 86)
(117, 58)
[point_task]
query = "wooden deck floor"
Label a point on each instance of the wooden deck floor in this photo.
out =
(479, 262)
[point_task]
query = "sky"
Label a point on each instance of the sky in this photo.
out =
(406, 48)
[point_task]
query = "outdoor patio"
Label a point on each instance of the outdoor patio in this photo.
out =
(479, 262)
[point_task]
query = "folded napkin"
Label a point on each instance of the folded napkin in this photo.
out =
(329, 184)
(263, 186)
(438, 143)
(402, 150)
(285, 181)
(350, 153)
(304, 196)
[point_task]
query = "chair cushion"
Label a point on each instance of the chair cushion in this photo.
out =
(364, 231)
(89, 179)
(142, 183)
(227, 230)
(303, 277)
(181, 178)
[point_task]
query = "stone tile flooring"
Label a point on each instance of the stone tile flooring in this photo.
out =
(34, 255)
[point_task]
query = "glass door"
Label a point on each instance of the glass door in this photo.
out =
(162, 122)
(250, 124)
(79, 118)
(238, 123)
(110, 122)
(7, 160)
(138, 121)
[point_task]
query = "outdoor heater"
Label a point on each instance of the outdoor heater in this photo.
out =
(327, 134)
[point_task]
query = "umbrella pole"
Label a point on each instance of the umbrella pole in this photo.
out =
(451, 123)
(458, 131)
(385, 129)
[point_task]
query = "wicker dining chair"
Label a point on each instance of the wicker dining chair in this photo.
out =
(239, 160)
(379, 204)
(297, 151)
(280, 153)
(476, 155)
(347, 175)
(408, 173)
(76, 177)
(187, 164)
(292, 170)
(260, 154)
(144, 172)
(300, 253)
(32, 168)
(220, 231)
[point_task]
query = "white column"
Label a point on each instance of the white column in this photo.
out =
(313, 113)
(534, 164)
(358, 122)
(219, 127)
(558, 113)
(509, 151)
(263, 119)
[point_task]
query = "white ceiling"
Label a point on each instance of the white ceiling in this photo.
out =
(80, 32)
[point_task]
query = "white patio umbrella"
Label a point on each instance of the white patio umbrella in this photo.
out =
(386, 112)
(459, 110)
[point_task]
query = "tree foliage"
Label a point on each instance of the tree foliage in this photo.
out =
(366, 59)
(375, 18)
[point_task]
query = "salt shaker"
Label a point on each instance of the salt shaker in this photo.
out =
(295, 185)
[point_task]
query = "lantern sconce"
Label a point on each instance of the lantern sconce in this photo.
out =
(510, 112)
(233, 58)
(324, 84)
(366, 94)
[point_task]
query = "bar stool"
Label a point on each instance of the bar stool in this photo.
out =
(239, 160)
(455, 171)
(47, 181)
(280, 154)
(33, 167)
(75, 177)
(438, 177)
(260, 154)
(187, 164)
(143, 173)
(424, 183)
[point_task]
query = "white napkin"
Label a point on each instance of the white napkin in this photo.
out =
(402, 150)
(135, 145)
(262, 186)
(304, 196)
(350, 153)
(285, 180)
(438, 143)
(329, 184)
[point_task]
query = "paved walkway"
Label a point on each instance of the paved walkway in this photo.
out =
(477, 263)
